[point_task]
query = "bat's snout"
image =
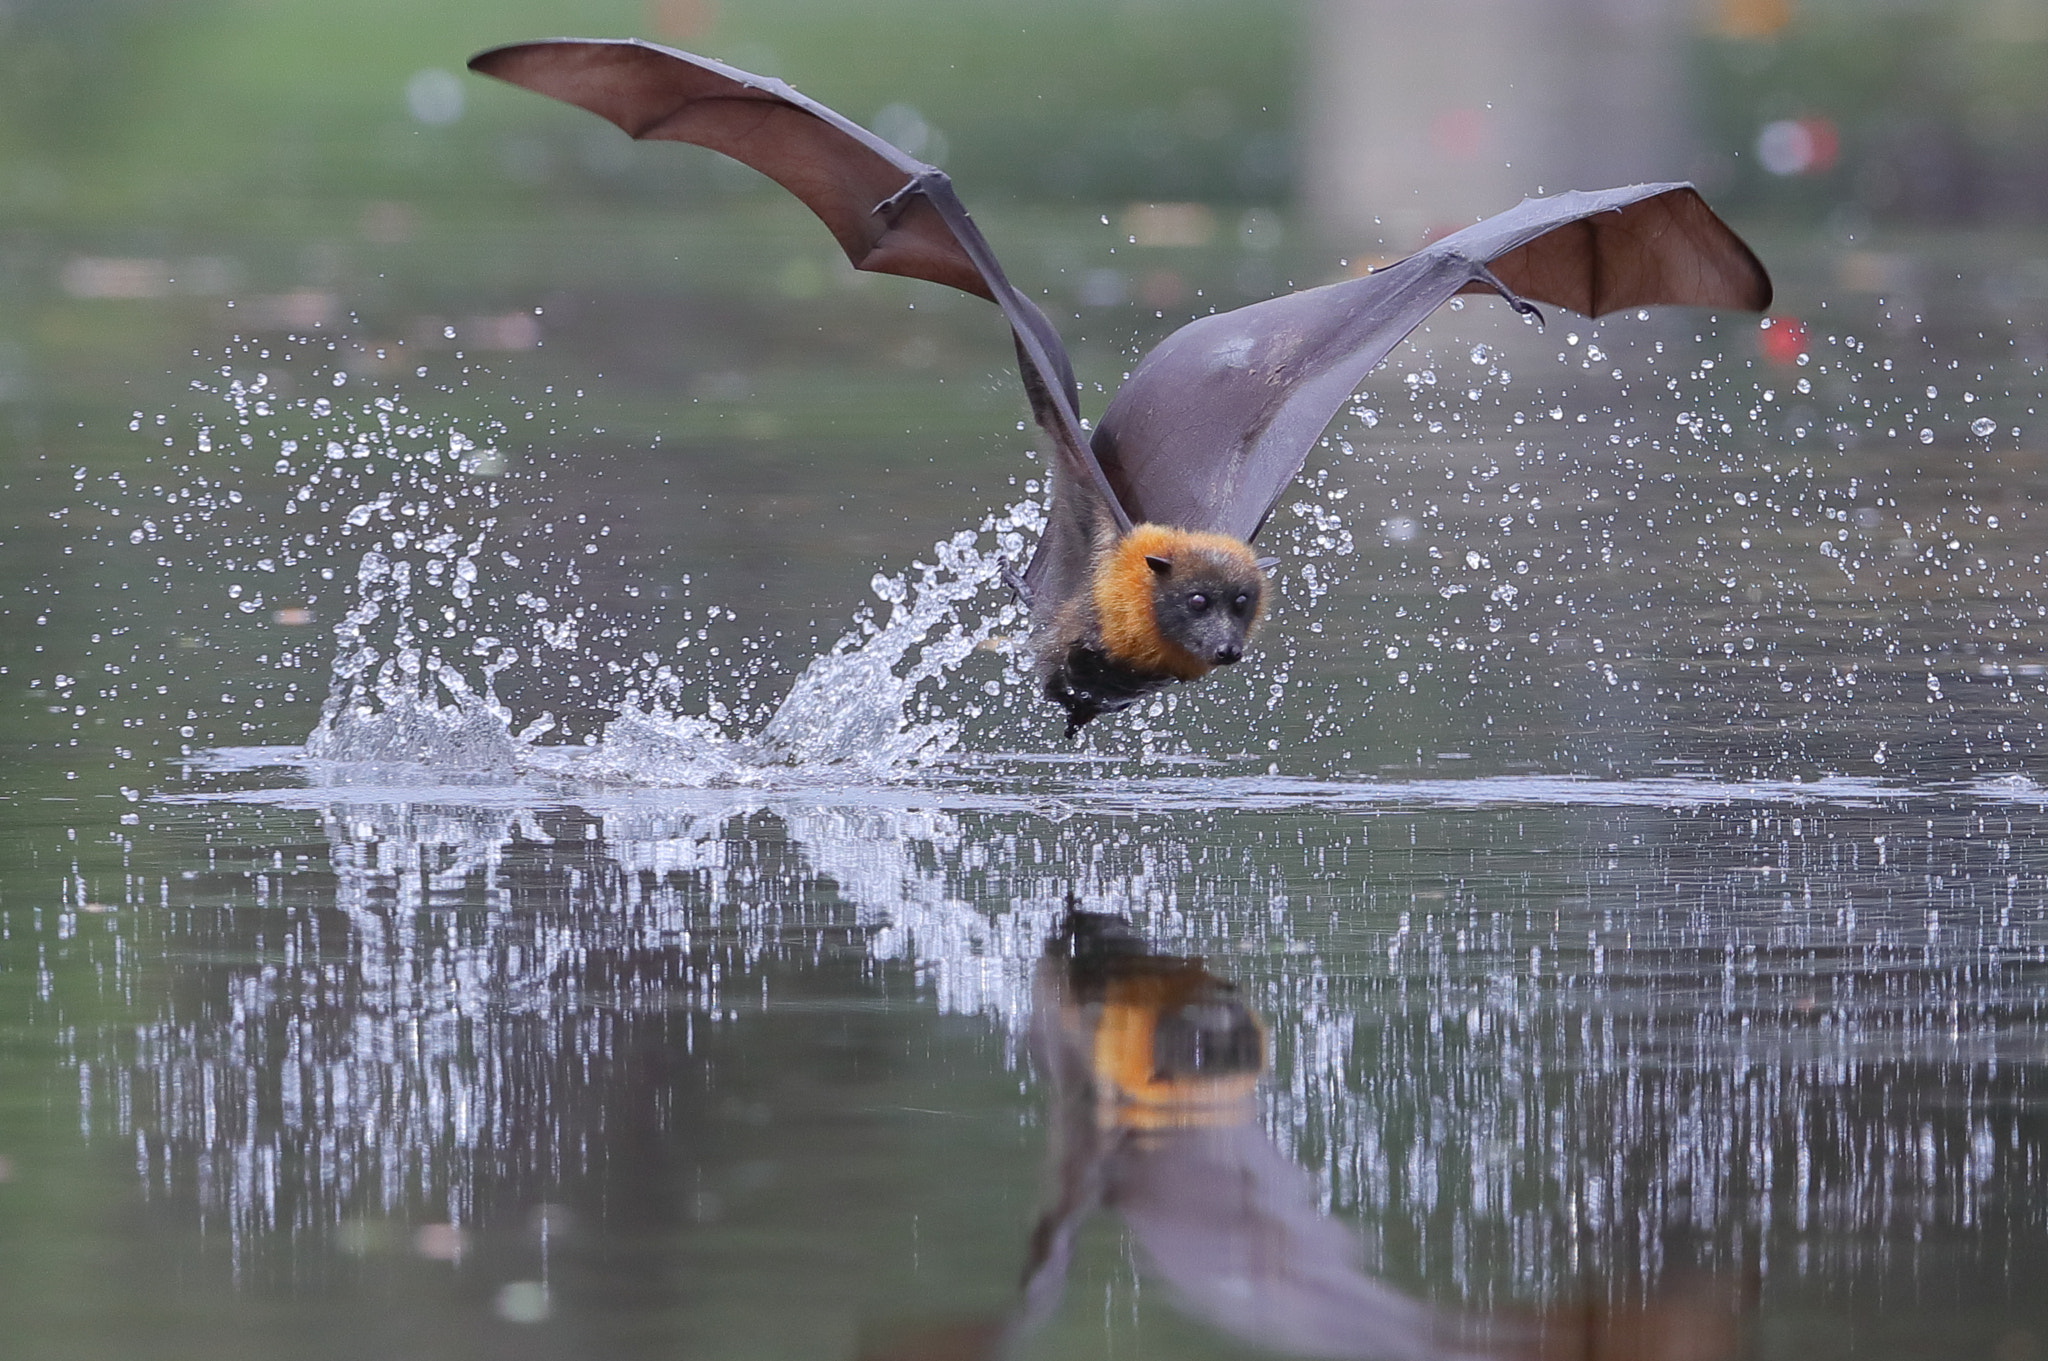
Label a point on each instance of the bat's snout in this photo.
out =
(1228, 653)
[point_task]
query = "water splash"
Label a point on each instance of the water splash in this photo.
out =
(474, 588)
(857, 711)
(384, 707)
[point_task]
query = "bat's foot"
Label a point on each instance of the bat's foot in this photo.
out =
(1508, 295)
(1087, 684)
(1082, 708)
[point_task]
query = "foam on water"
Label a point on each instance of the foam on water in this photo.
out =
(1057, 786)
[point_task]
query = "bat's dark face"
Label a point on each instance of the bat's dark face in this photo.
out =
(1206, 608)
(1176, 602)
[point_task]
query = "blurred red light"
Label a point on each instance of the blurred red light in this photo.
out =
(1823, 144)
(1783, 339)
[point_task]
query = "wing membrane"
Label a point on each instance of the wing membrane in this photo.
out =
(838, 169)
(890, 212)
(1216, 422)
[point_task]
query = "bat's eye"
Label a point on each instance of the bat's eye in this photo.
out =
(1241, 605)
(1198, 602)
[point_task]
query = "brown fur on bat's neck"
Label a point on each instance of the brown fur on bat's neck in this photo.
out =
(1131, 632)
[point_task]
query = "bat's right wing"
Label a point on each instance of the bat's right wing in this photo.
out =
(890, 212)
(1216, 422)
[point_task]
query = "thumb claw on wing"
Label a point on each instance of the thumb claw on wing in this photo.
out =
(1512, 298)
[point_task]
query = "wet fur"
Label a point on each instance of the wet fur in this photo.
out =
(1126, 590)
(1129, 634)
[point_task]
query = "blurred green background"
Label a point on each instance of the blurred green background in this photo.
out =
(128, 118)
(321, 161)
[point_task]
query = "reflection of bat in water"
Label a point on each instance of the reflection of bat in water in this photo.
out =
(1152, 1064)
(1145, 575)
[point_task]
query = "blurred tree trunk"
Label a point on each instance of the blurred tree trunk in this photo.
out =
(1429, 114)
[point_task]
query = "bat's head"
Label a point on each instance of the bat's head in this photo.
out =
(1178, 602)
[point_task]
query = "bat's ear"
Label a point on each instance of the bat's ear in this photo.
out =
(1265, 564)
(1160, 566)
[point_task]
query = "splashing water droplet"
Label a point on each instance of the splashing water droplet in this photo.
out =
(858, 709)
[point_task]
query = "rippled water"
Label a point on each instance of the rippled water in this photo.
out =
(1536, 1041)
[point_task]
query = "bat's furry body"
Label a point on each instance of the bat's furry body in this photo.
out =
(1162, 605)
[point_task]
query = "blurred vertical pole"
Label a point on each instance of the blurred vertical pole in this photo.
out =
(1429, 114)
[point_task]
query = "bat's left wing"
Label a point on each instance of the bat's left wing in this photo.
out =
(1215, 423)
(890, 212)
(1232, 1224)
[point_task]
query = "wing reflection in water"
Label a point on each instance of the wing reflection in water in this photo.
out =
(1152, 1064)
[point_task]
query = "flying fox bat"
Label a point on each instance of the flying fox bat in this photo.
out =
(1145, 574)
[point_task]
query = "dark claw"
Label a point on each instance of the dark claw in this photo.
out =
(1520, 304)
